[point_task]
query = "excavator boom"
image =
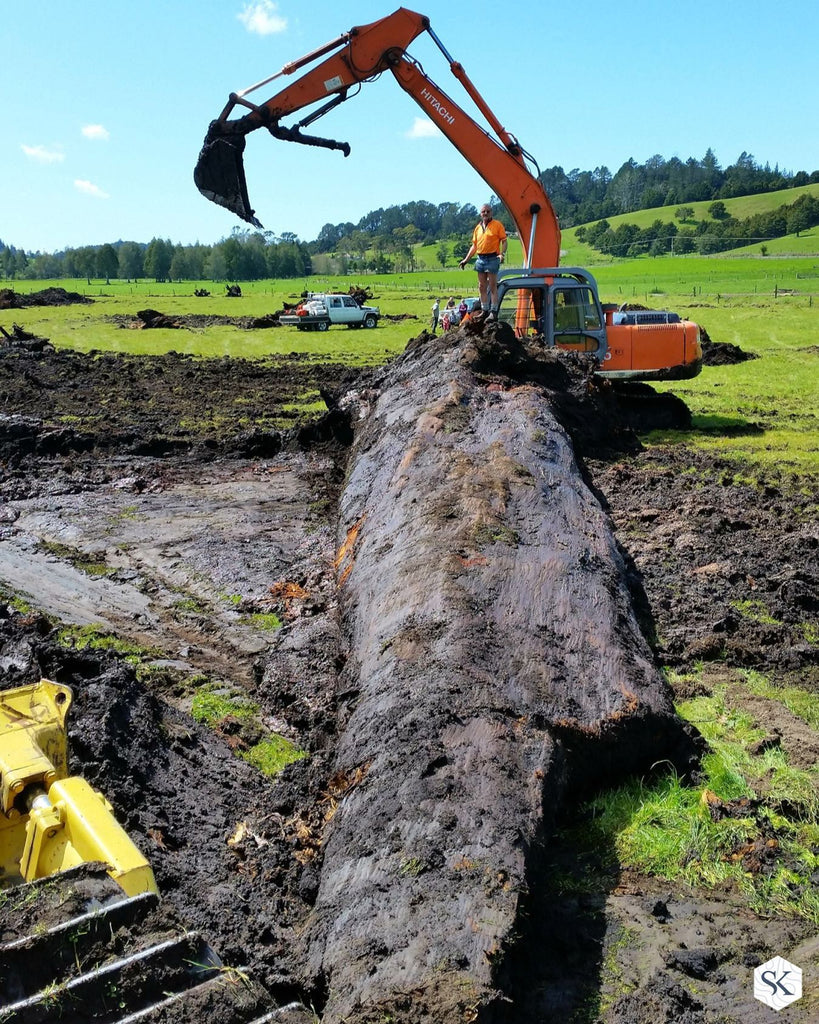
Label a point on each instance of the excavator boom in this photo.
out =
(355, 57)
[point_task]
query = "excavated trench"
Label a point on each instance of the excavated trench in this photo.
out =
(463, 653)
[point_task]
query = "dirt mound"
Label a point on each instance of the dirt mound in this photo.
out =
(151, 318)
(722, 353)
(361, 295)
(10, 299)
(152, 404)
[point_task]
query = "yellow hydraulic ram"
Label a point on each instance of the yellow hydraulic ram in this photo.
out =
(48, 821)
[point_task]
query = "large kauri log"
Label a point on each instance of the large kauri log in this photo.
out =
(494, 659)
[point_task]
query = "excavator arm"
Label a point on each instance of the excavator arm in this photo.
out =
(359, 56)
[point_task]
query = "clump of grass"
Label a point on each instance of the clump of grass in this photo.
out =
(95, 637)
(81, 560)
(190, 605)
(745, 806)
(128, 512)
(412, 867)
(267, 621)
(211, 706)
(273, 754)
(756, 612)
(17, 603)
(308, 404)
(495, 534)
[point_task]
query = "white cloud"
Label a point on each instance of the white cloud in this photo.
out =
(423, 128)
(43, 155)
(95, 131)
(89, 189)
(260, 17)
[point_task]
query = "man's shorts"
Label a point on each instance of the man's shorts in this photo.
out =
(487, 264)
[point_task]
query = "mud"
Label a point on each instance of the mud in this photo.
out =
(149, 319)
(9, 299)
(144, 467)
(155, 405)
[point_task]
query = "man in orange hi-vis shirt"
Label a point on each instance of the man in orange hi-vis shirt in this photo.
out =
(489, 242)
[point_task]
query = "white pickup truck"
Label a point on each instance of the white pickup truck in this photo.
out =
(319, 310)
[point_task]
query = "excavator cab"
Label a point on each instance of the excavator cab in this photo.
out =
(561, 306)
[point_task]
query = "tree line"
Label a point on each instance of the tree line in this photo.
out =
(580, 197)
(385, 239)
(716, 233)
(243, 256)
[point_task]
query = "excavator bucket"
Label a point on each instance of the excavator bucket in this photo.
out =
(220, 174)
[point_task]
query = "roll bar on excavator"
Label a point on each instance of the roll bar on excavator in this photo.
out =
(359, 56)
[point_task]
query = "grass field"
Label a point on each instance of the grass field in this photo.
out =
(761, 413)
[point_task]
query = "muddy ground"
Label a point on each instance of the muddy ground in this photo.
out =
(162, 499)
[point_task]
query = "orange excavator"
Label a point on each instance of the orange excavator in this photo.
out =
(559, 305)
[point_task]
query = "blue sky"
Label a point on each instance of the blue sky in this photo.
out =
(106, 104)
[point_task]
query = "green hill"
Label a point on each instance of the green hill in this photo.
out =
(741, 207)
(807, 243)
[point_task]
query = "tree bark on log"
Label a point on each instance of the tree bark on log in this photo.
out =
(495, 665)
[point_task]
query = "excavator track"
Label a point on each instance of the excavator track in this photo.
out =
(75, 948)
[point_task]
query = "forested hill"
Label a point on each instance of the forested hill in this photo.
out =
(578, 197)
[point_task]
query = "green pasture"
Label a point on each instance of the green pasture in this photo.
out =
(760, 414)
